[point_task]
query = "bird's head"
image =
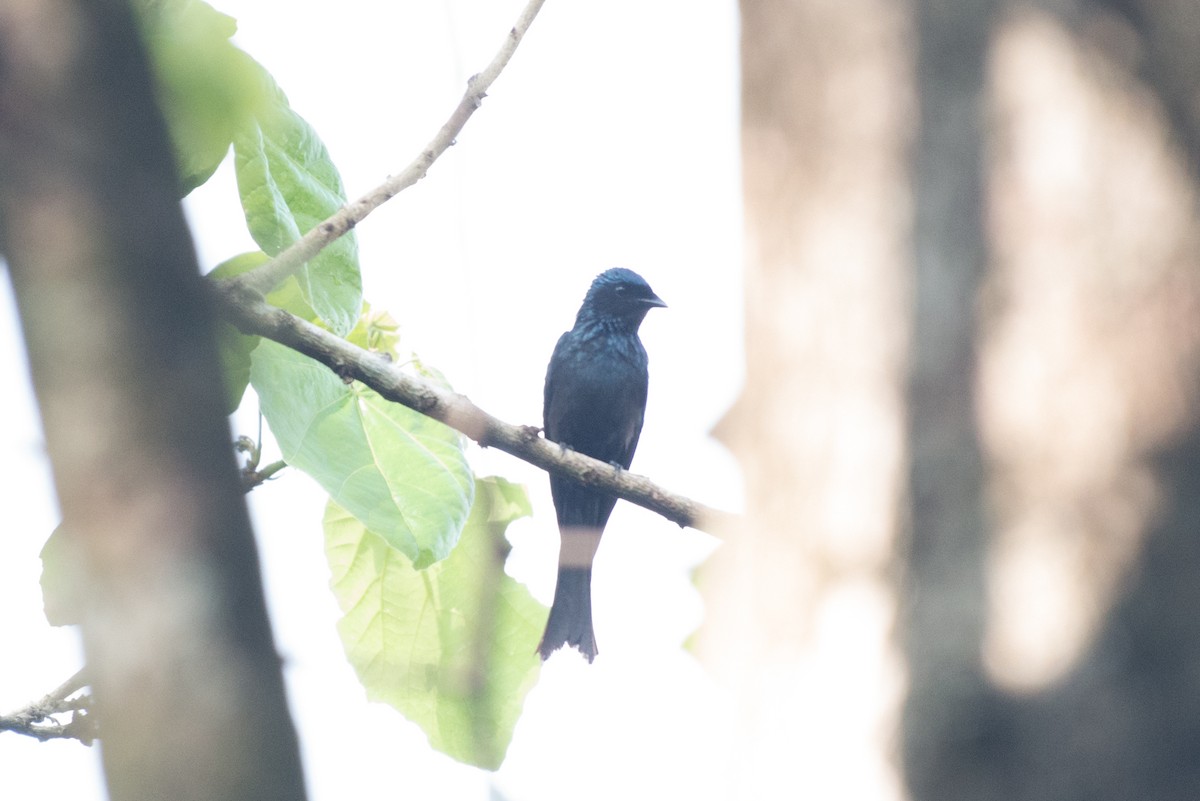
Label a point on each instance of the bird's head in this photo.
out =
(622, 295)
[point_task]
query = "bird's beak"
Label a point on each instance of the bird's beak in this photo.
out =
(654, 300)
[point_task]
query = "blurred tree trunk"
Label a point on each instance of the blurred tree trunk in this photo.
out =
(187, 687)
(1050, 607)
(944, 593)
(799, 604)
(969, 430)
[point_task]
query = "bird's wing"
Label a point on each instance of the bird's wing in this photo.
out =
(551, 414)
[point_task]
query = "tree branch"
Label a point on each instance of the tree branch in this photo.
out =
(265, 278)
(243, 304)
(37, 719)
(250, 313)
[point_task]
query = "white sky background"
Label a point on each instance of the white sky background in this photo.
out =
(610, 140)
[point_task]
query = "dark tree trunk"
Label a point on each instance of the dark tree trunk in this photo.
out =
(1119, 721)
(944, 599)
(187, 687)
(1018, 368)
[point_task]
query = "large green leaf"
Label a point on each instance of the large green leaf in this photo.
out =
(213, 94)
(234, 346)
(207, 87)
(453, 647)
(401, 473)
(288, 184)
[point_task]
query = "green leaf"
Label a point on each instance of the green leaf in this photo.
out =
(288, 184)
(452, 647)
(60, 567)
(206, 86)
(234, 346)
(376, 330)
(212, 95)
(403, 474)
(235, 349)
(290, 297)
(239, 264)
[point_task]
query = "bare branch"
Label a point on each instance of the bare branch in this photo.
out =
(253, 315)
(269, 275)
(37, 719)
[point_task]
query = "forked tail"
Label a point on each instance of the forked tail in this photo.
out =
(570, 621)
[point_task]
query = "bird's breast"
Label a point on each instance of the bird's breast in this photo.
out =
(598, 396)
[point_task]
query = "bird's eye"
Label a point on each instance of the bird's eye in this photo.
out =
(621, 289)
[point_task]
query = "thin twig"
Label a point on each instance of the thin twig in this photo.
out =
(253, 477)
(249, 312)
(265, 278)
(37, 719)
(67, 688)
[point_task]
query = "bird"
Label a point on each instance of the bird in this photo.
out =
(595, 403)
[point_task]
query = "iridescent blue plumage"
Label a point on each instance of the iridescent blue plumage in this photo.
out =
(595, 401)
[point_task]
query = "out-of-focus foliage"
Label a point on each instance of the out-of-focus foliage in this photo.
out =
(453, 646)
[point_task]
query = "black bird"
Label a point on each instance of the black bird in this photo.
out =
(595, 401)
